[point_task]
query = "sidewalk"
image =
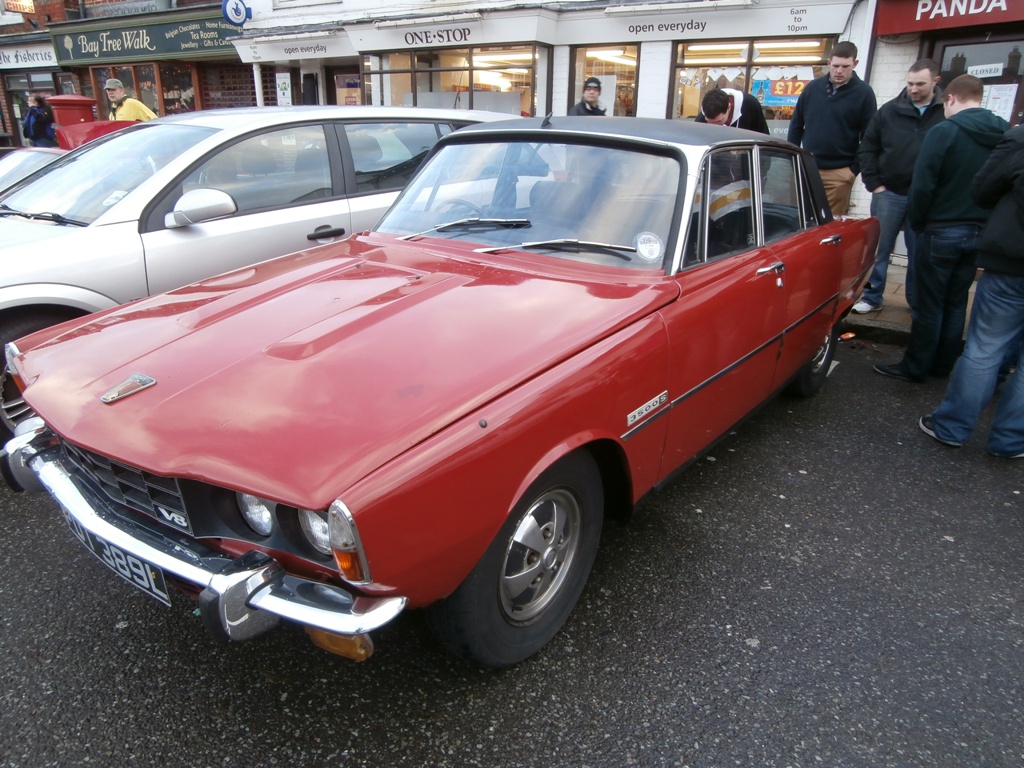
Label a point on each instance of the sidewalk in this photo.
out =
(890, 325)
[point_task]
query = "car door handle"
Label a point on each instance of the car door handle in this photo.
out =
(325, 231)
(778, 267)
(833, 240)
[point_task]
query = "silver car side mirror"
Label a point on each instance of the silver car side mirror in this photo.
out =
(200, 205)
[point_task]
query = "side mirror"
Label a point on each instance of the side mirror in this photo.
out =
(200, 205)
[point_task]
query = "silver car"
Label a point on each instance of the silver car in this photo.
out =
(170, 201)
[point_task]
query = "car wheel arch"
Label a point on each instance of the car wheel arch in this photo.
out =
(611, 462)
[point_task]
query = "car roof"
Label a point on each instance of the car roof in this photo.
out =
(255, 117)
(681, 132)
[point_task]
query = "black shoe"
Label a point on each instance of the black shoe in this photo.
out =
(894, 370)
(927, 425)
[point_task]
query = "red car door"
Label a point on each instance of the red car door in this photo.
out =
(726, 328)
(810, 256)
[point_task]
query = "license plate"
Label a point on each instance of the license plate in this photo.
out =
(136, 572)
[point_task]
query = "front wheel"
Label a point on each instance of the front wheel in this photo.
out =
(812, 376)
(526, 584)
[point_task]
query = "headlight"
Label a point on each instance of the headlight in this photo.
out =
(257, 513)
(348, 549)
(314, 525)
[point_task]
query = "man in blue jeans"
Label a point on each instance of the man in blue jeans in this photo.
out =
(947, 224)
(887, 155)
(997, 317)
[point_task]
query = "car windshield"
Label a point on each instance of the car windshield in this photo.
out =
(16, 165)
(602, 205)
(83, 185)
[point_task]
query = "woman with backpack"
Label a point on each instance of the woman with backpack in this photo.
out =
(38, 125)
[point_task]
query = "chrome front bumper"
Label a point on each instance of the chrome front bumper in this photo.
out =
(240, 598)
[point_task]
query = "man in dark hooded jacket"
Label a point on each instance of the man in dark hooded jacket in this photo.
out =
(947, 222)
(997, 316)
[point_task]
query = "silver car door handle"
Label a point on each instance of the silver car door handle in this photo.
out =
(778, 267)
(833, 240)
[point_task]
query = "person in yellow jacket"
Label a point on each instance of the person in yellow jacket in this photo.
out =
(124, 107)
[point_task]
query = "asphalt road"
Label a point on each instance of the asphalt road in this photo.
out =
(829, 587)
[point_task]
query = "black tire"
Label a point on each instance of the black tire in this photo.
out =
(495, 618)
(812, 376)
(14, 410)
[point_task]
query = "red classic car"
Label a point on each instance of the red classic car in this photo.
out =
(554, 317)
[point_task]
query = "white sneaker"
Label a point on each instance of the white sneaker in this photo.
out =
(862, 307)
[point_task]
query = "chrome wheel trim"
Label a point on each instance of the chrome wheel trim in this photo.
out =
(540, 555)
(822, 355)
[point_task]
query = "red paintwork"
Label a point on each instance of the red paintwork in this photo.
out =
(427, 386)
(71, 136)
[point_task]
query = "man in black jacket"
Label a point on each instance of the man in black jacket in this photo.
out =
(887, 155)
(589, 105)
(829, 119)
(997, 315)
(727, 106)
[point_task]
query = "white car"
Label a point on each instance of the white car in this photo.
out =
(20, 163)
(167, 202)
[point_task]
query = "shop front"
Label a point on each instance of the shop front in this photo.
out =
(984, 38)
(654, 60)
(171, 61)
(28, 66)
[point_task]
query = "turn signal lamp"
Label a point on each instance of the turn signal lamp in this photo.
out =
(11, 354)
(348, 549)
(355, 647)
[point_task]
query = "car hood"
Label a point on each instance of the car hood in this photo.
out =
(297, 377)
(17, 232)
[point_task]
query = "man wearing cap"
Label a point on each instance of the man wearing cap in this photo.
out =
(123, 107)
(588, 104)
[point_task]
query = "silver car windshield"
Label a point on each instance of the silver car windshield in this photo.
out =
(86, 183)
(602, 205)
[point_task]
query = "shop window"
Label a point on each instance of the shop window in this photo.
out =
(177, 89)
(996, 62)
(229, 85)
(775, 71)
(616, 68)
(497, 78)
(139, 83)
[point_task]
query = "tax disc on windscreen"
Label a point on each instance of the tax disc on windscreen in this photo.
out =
(648, 247)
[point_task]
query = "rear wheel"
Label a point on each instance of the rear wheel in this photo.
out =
(812, 376)
(13, 409)
(526, 584)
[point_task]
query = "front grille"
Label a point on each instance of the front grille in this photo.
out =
(158, 497)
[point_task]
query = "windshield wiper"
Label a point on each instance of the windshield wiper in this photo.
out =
(6, 210)
(567, 242)
(474, 221)
(56, 218)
